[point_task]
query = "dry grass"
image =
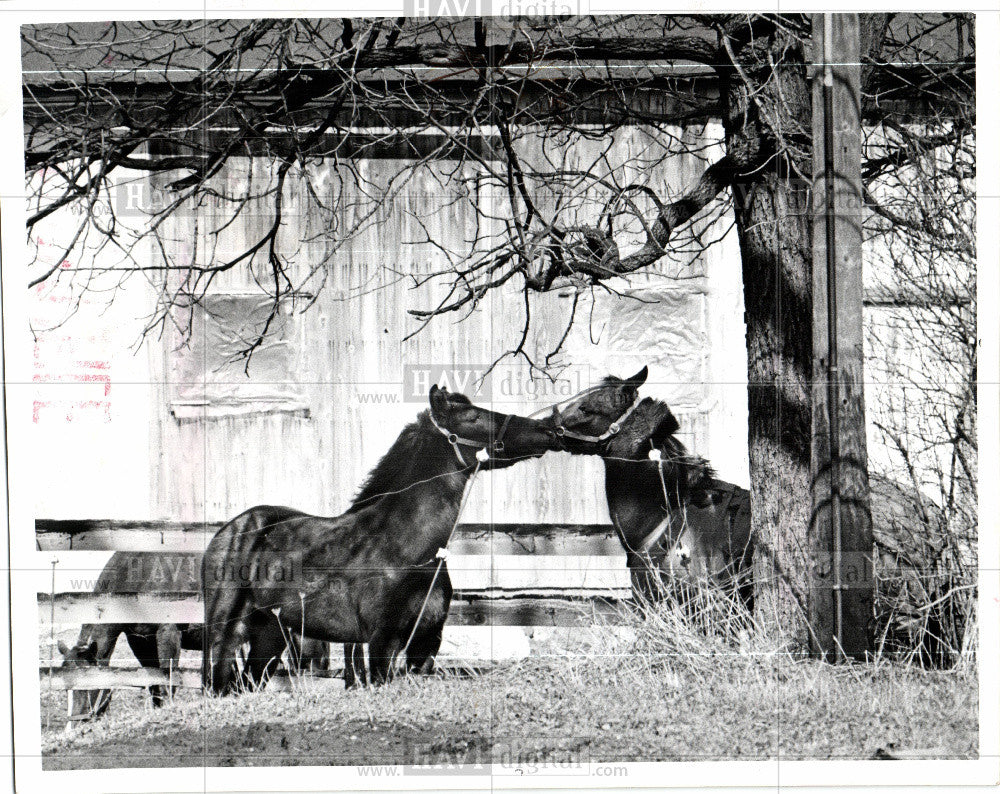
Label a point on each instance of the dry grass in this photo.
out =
(700, 681)
(665, 689)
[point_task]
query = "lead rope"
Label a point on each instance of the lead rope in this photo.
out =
(442, 553)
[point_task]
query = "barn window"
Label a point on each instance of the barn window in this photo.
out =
(210, 375)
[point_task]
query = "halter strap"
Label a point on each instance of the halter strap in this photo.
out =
(453, 438)
(613, 428)
(658, 532)
(457, 441)
(498, 441)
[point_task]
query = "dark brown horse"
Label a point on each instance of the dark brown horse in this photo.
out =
(669, 511)
(616, 399)
(363, 576)
(155, 645)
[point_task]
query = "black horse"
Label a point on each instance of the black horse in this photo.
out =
(616, 398)
(155, 645)
(363, 576)
(666, 505)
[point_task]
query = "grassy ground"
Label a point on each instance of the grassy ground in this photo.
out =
(659, 696)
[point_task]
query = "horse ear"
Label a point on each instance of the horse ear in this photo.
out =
(63, 648)
(438, 399)
(639, 378)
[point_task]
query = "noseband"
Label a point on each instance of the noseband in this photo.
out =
(457, 442)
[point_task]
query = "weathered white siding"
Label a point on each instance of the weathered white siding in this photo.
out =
(324, 401)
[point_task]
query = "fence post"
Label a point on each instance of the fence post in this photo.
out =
(840, 533)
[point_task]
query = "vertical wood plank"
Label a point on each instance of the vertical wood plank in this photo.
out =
(841, 556)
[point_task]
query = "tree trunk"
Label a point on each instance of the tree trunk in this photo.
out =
(767, 117)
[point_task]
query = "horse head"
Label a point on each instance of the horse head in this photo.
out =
(652, 482)
(586, 422)
(475, 433)
(85, 704)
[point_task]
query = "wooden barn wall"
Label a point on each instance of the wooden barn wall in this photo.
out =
(323, 401)
(345, 358)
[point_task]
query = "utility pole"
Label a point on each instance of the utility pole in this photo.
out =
(840, 533)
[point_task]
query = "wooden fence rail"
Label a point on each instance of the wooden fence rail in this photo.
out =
(552, 590)
(468, 608)
(595, 540)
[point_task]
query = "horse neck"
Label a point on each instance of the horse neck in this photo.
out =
(635, 500)
(414, 493)
(420, 521)
(634, 490)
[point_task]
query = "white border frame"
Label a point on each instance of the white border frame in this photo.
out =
(750, 775)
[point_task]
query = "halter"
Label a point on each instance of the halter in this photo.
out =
(613, 428)
(457, 442)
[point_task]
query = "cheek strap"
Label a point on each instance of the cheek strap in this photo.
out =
(457, 442)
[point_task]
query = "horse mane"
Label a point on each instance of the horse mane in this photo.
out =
(417, 442)
(651, 420)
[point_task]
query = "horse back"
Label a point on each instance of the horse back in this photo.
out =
(279, 535)
(151, 572)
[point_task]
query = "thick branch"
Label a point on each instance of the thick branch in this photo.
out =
(604, 260)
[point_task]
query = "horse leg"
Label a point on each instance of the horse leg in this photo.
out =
(432, 612)
(306, 654)
(355, 673)
(383, 649)
(168, 650)
(144, 648)
(423, 649)
(267, 643)
(314, 655)
(105, 647)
